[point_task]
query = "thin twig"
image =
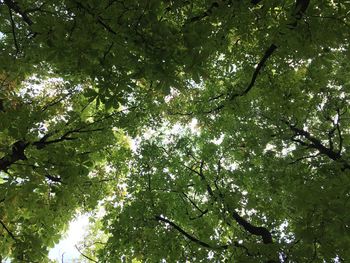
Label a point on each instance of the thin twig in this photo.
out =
(85, 256)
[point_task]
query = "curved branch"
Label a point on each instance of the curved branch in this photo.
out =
(298, 12)
(260, 65)
(254, 230)
(179, 229)
(85, 256)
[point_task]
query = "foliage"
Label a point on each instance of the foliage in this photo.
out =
(205, 130)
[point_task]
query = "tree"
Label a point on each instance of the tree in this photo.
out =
(53, 157)
(237, 111)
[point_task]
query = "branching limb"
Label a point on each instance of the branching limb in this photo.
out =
(202, 212)
(214, 110)
(43, 142)
(217, 97)
(299, 10)
(99, 19)
(19, 147)
(200, 242)
(105, 54)
(56, 101)
(317, 145)
(254, 230)
(211, 9)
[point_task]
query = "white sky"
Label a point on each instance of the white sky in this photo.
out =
(75, 234)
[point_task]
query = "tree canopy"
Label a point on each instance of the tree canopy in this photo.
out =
(191, 131)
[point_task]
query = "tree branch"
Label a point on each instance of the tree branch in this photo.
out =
(13, 5)
(300, 8)
(13, 27)
(268, 53)
(206, 13)
(304, 157)
(8, 231)
(85, 256)
(202, 213)
(98, 18)
(317, 145)
(210, 10)
(298, 12)
(254, 230)
(179, 229)
(53, 178)
(16, 155)
(55, 102)
(43, 142)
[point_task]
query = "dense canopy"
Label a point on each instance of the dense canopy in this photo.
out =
(190, 131)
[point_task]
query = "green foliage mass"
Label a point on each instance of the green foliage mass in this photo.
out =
(193, 131)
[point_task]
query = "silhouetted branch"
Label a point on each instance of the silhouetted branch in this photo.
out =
(304, 157)
(53, 178)
(179, 229)
(13, 5)
(202, 213)
(13, 28)
(316, 144)
(206, 13)
(55, 102)
(16, 155)
(254, 230)
(268, 53)
(98, 18)
(8, 231)
(85, 256)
